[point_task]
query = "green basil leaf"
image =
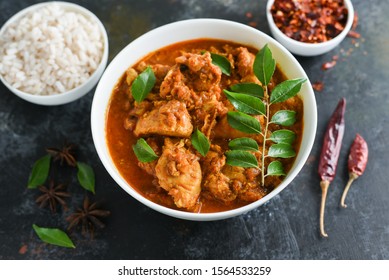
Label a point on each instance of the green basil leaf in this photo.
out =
(281, 151)
(241, 158)
(243, 144)
(143, 151)
(243, 122)
(264, 65)
(86, 176)
(286, 90)
(40, 172)
(143, 84)
(200, 142)
(248, 88)
(283, 136)
(246, 103)
(53, 236)
(275, 168)
(284, 117)
(222, 62)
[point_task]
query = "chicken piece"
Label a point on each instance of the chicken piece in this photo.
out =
(252, 193)
(244, 64)
(219, 186)
(131, 75)
(141, 108)
(207, 75)
(160, 70)
(215, 181)
(167, 118)
(173, 86)
(227, 183)
(130, 123)
(193, 80)
(179, 173)
(205, 116)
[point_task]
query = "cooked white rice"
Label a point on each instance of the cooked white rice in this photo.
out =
(50, 50)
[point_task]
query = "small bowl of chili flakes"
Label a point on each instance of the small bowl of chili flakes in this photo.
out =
(309, 27)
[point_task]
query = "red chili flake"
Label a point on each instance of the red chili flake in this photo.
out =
(355, 21)
(328, 65)
(23, 249)
(318, 86)
(310, 21)
(311, 159)
(353, 34)
(249, 15)
(253, 24)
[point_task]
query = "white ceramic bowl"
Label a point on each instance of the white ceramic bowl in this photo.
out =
(188, 30)
(78, 92)
(309, 49)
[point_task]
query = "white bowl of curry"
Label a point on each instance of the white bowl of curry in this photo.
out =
(164, 119)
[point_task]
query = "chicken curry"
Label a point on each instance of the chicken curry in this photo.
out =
(188, 96)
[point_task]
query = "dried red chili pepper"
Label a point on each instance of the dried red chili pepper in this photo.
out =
(318, 86)
(357, 161)
(330, 154)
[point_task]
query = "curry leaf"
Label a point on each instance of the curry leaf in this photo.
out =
(246, 103)
(281, 151)
(244, 143)
(283, 136)
(143, 151)
(264, 65)
(39, 173)
(222, 62)
(286, 90)
(53, 236)
(200, 142)
(248, 88)
(284, 117)
(241, 158)
(143, 84)
(275, 168)
(243, 122)
(86, 176)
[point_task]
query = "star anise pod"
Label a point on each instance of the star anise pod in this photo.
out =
(87, 217)
(65, 154)
(52, 195)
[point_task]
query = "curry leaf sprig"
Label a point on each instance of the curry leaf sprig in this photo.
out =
(253, 101)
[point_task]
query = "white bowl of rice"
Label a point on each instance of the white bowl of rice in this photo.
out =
(52, 53)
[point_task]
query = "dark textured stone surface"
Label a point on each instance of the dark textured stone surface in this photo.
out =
(284, 228)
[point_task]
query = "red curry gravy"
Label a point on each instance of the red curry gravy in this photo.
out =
(121, 140)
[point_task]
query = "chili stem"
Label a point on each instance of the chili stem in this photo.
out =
(324, 188)
(264, 136)
(352, 177)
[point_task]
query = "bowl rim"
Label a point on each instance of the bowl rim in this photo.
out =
(70, 95)
(313, 46)
(104, 154)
